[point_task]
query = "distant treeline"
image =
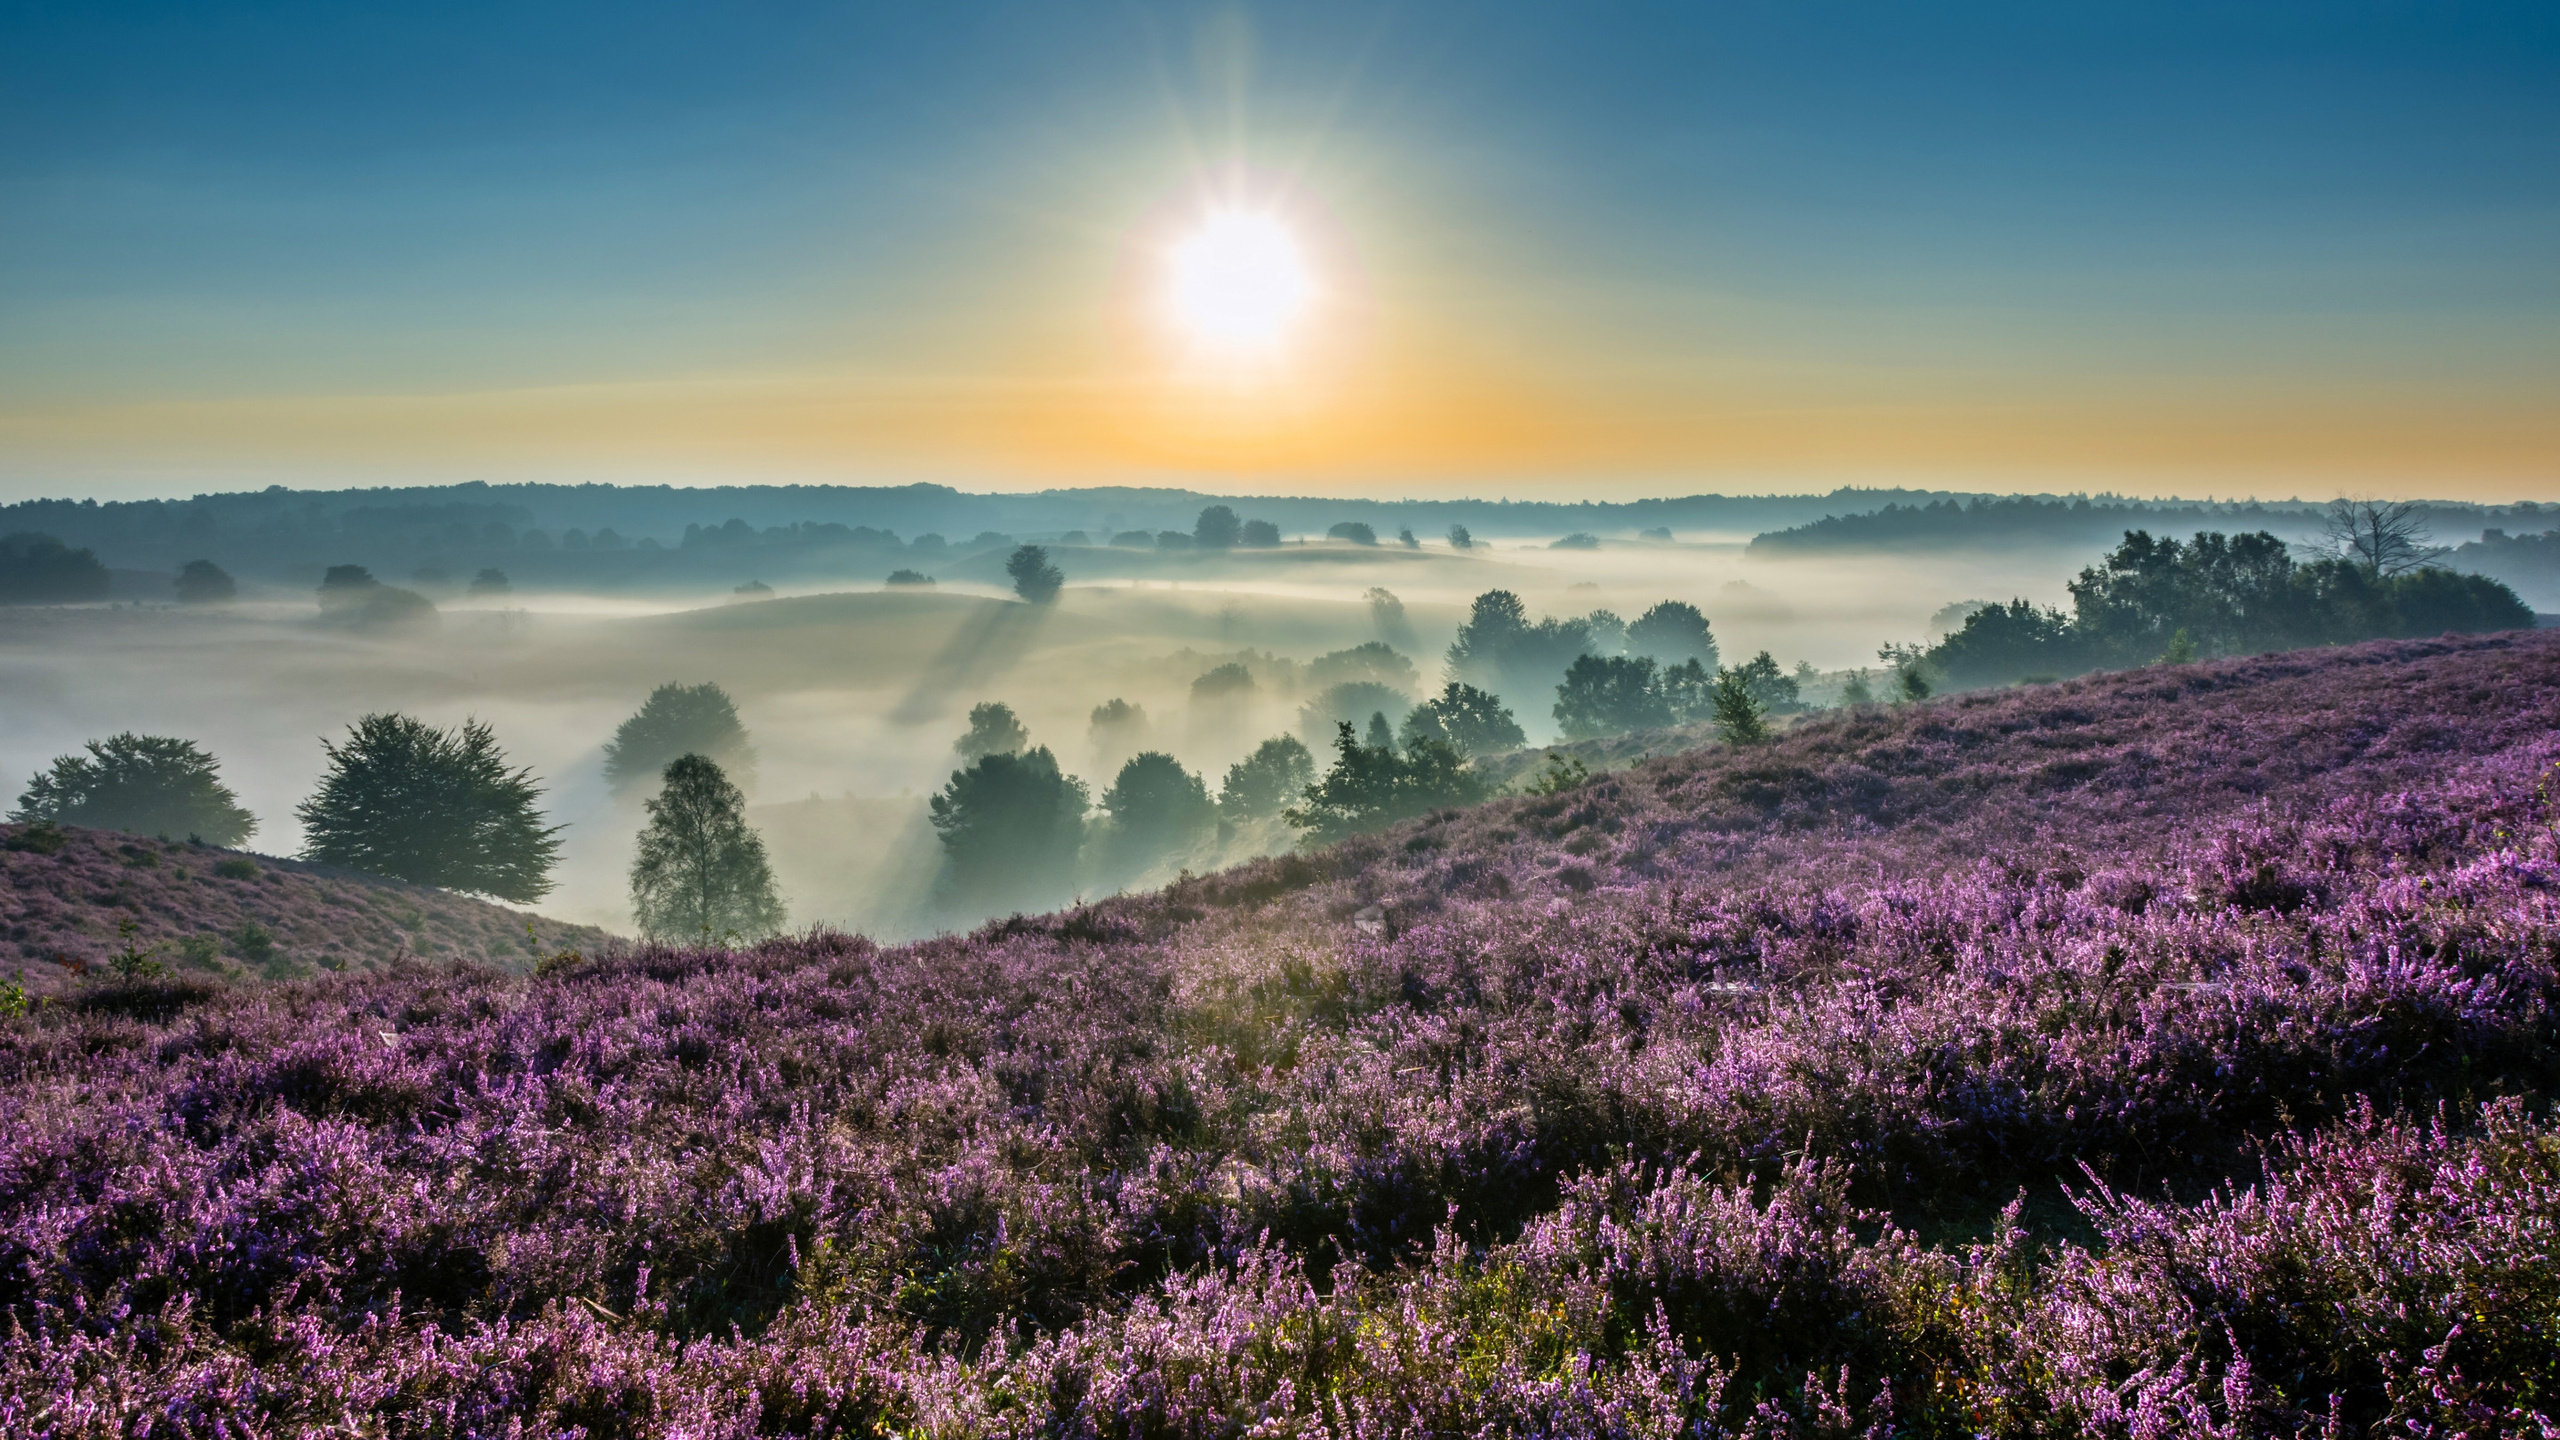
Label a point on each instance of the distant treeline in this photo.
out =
(1999, 522)
(288, 535)
(2162, 599)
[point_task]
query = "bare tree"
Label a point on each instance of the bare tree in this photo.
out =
(2386, 537)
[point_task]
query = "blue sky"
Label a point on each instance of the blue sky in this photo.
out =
(1620, 248)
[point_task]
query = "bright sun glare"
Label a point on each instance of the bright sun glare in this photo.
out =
(1238, 283)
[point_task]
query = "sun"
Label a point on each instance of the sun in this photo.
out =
(1238, 284)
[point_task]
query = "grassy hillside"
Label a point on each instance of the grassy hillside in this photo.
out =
(71, 901)
(2166, 1052)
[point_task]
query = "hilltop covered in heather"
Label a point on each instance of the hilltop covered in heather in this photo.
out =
(2160, 1052)
(72, 899)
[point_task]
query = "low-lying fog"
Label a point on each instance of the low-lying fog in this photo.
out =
(854, 697)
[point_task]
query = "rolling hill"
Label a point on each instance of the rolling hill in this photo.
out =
(2169, 1051)
(71, 900)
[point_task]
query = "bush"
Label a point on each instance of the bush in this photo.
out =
(239, 867)
(915, 578)
(349, 595)
(1352, 531)
(253, 942)
(430, 806)
(142, 784)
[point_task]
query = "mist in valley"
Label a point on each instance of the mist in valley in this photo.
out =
(853, 693)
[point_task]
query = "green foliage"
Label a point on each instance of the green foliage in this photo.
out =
(1610, 696)
(1353, 531)
(679, 720)
(1672, 632)
(1034, 578)
(200, 952)
(1776, 690)
(1157, 808)
(349, 595)
(132, 960)
(239, 867)
(1564, 772)
(1374, 661)
(41, 838)
(41, 570)
(915, 578)
(1738, 713)
(1258, 535)
(1857, 691)
(1406, 538)
(436, 807)
(1352, 701)
(1473, 720)
(1911, 685)
(1216, 529)
(201, 582)
(1264, 782)
(993, 730)
(2181, 651)
(700, 871)
(14, 1001)
(1010, 826)
(142, 784)
(253, 942)
(1460, 539)
(1372, 786)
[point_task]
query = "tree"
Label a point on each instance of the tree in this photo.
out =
(1737, 711)
(1405, 538)
(1263, 782)
(993, 730)
(1225, 682)
(491, 581)
(1671, 632)
(1216, 529)
(1857, 691)
(1353, 700)
(1996, 644)
(1354, 531)
(201, 582)
(1475, 721)
(1010, 825)
(1372, 786)
(1157, 808)
(1497, 644)
(436, 807)
(679, 720)
(700, 870)
(349, 595)
(1459, 539)
(1775, 689)
(1387, 613)
(1373, 660)
(1258, 535)
(142, 784)
(41, 570)
(2385, 537)
(909, 577)
(1610, 696)
(1034, 578)
(1116, 731)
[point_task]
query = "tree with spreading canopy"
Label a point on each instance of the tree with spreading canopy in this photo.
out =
(201, 582)
(1010, 826)
(435, 807)
(1266, 781)
(679, 720)
(1034, 578)
(1216, 529)
(142, 784)
(1476, 721)
(1609, 696)
(1672, 632)
(700, 871)
(1373, 786)
(993, 730)
(1157, 808)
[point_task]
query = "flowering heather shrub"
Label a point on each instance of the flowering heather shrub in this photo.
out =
(2159, 1053)
(62, 908)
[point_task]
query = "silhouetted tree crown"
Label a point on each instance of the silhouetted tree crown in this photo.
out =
(1776, 690)
(699, 870)
(143, 784)
(1010, 826)
(1373, 786)
(1217, 528)
(1387, 613)
(1258, 535)
(201, 582)
(1034, 578)
(1266, 781)
(1671, 632)
(491, 581)
(436, 807)
(1156, 809)
(1353, 700)
(1226, 680)
(1354, 531)
(1475, 721)
(1372, 660)
(1459, 539)
(1609, 696)
(41, 570)
(679, 720)
(993, 730)
(349, 595)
